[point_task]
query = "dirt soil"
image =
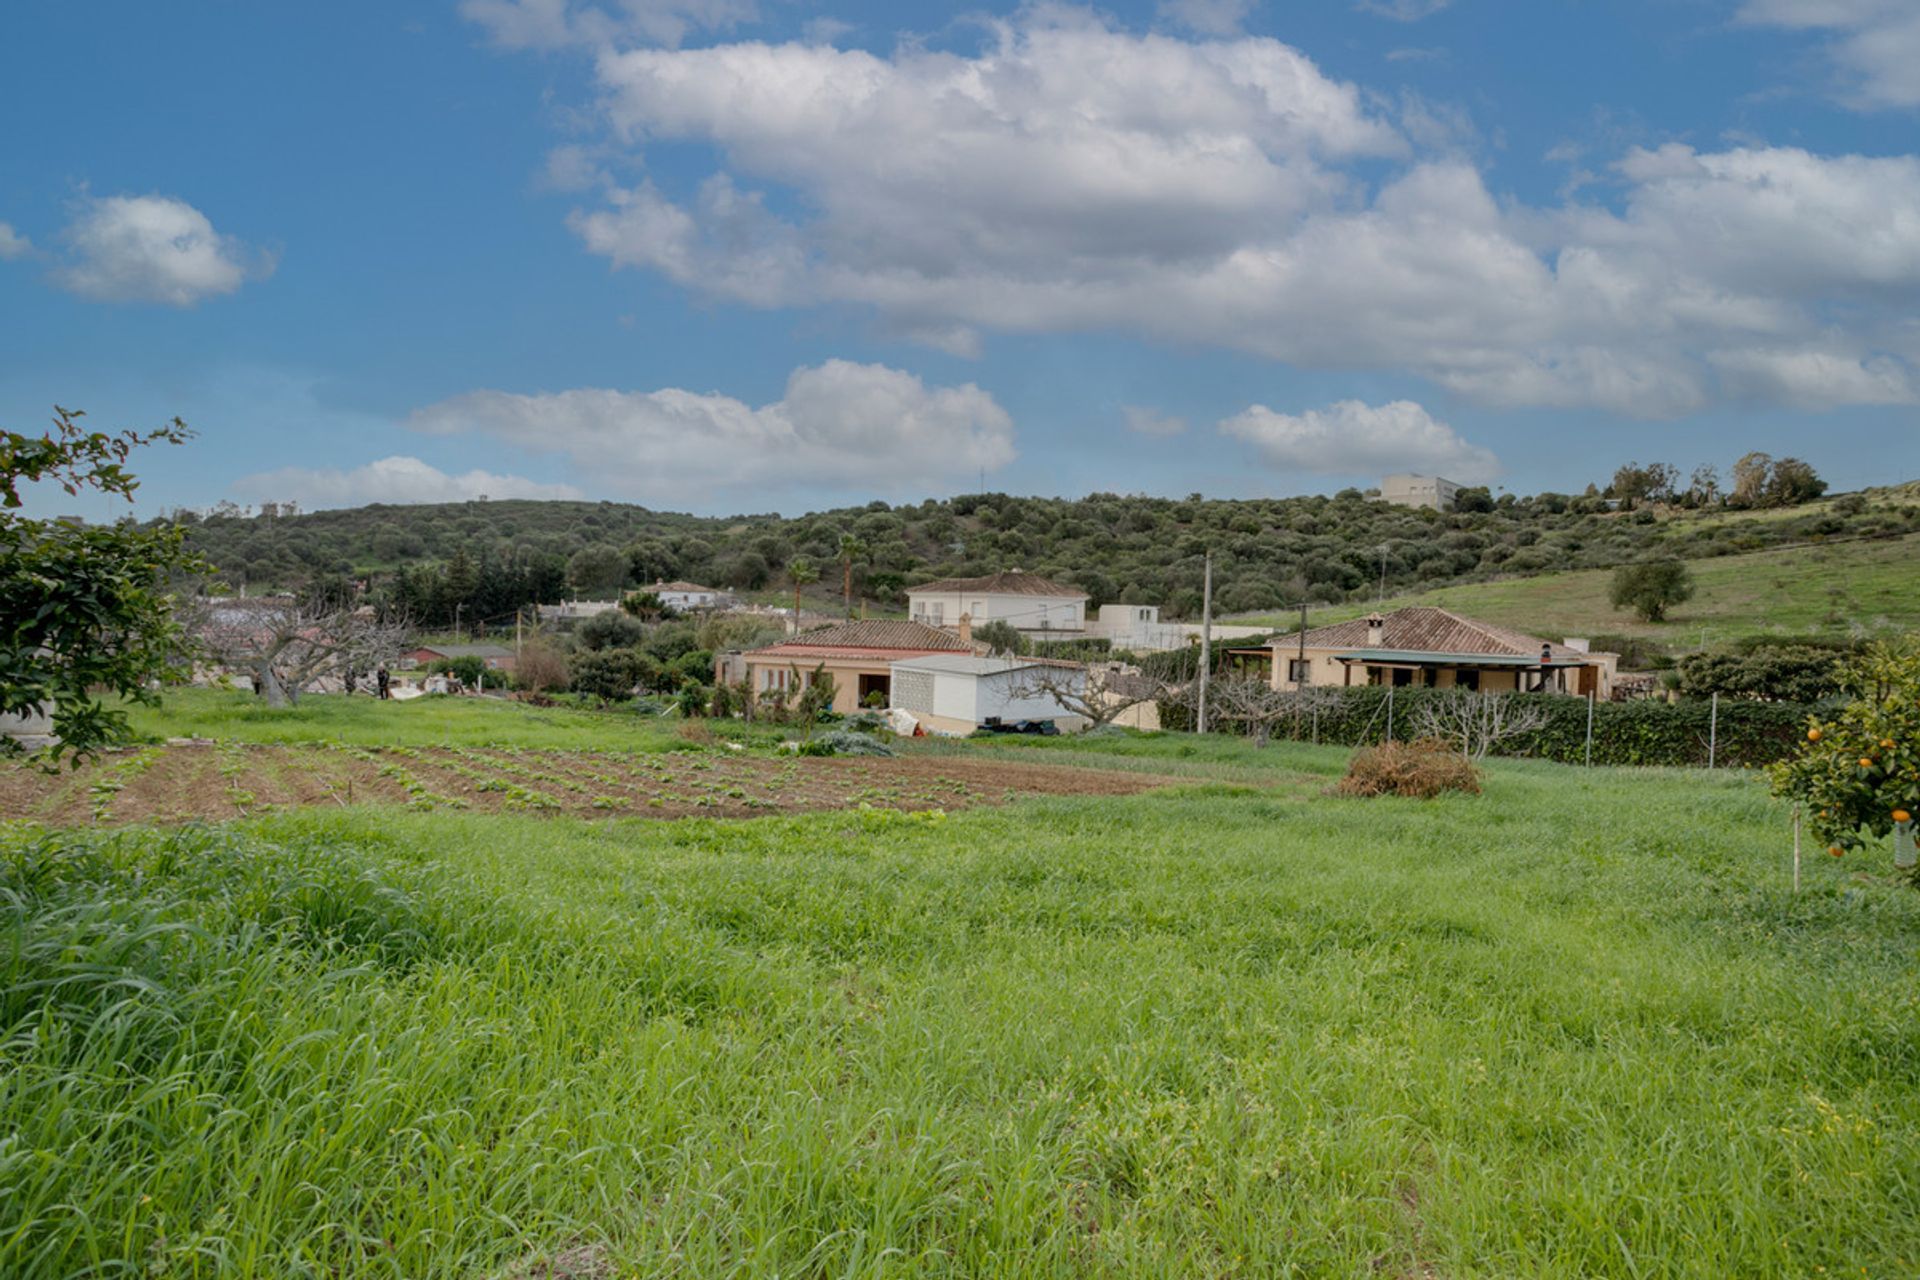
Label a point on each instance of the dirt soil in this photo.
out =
(212, 782)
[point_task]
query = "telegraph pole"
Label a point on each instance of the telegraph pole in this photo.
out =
(1206, 643)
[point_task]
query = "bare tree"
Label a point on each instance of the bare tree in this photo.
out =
(287, 647)
(1475, 722)
(1099, 693)
(1248, 700)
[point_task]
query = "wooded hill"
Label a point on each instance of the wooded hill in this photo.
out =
(1268, 553)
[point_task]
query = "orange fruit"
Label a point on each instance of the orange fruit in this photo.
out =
(1835, 850)
(1886, 743)
(1813, 735)
(1901, 815)
(1866, 762)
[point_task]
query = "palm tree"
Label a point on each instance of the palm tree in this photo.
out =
(851, 549)
(802, 571)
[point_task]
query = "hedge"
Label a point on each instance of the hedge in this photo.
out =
(1624, 733)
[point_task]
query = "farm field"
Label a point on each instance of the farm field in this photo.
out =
(1829, 590)
(1230, 1026)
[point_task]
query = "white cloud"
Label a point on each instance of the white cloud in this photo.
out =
(839, 426)
(1356, 439)
(1402, 10)
(393, 480)
(1151, 422)
(12, 243)
(1876, 43)
(554, 24)
(1070, 176)
(152, 249)
(1208, 17)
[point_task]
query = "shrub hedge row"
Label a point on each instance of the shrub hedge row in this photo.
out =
(1624, 733)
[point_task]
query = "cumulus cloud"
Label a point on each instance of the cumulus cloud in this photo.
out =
(1072, 176)
(152, 249)
(554, 24)
(1151, 422)
(12, 243)
(1352, 438)
(1875, 44)
(396, 479)
(839, 426)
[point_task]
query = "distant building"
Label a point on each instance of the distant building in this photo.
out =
(495, 657)
(687, 595)
(956, 693)
(571, 611)
(859, 656)
(1409, 490)
(1029, 603)
(1433, 649)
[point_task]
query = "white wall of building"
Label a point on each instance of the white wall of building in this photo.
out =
(1032, 614)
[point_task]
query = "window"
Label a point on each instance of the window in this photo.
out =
(937, 614)
(1066, 615)
(775, 678)
(1402, 677)
(1299, 670)
(979, 610)
(1467, 680)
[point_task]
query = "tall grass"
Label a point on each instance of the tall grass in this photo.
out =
(1575, 1026)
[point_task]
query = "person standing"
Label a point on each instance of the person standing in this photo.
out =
(382, 679)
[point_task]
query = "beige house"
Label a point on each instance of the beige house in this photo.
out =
(1031, 604)
(858, 655)
(1434, 649)
(1408, 490)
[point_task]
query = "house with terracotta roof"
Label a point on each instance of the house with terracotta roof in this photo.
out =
(1435, 649)
(1031, 604)
(858, 655)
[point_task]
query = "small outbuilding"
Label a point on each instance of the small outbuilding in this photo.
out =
(960, 692)
(496, 657)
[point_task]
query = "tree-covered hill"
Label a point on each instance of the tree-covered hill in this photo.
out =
(1267, 552)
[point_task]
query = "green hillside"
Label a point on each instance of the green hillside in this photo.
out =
(485, 559)
(1827, 589)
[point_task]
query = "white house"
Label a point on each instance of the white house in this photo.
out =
(1408, 490)
(958, 692)
(1031, 604)
(1136, 628)
(687, 595)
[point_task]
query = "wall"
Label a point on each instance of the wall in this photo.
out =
(1066, 615)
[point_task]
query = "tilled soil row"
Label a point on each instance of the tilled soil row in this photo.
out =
(184, 782)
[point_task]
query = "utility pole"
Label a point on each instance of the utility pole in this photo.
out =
(516, 635)
(1206, 643)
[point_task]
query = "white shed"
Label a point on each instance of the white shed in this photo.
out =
(957, 693)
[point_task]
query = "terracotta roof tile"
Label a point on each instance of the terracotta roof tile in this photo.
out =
(916, 637)
(1011, 582)
(1424, 629)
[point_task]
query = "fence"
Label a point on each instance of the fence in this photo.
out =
(1624, 733)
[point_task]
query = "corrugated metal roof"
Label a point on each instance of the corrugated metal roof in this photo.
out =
(1012, 582)
(1427, 630)
(877, 636)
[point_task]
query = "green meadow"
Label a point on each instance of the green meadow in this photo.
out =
(1832, 589)
(1578, 1025)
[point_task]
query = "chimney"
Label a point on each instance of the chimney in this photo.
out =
(966, 628)
(1376, 632)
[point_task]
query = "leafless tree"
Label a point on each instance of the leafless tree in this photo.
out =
(1099, 693)
(1475, 722)
(288, 647)
(1250, 701)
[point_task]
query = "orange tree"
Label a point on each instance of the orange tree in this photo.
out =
(1858, 772)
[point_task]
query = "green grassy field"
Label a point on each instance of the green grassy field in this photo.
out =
(1825, 590)
(1577, 1025)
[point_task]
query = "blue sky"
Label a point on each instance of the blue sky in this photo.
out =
(751, 255)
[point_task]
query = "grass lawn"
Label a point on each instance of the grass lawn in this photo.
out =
(1576, 1026)
(1828, 590)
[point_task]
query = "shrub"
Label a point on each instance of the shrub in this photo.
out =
(540, 668)
(468, 670)
(1421, 770)
(1651, 587)
(609, 675)
(840, 742)
(1855, 770)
